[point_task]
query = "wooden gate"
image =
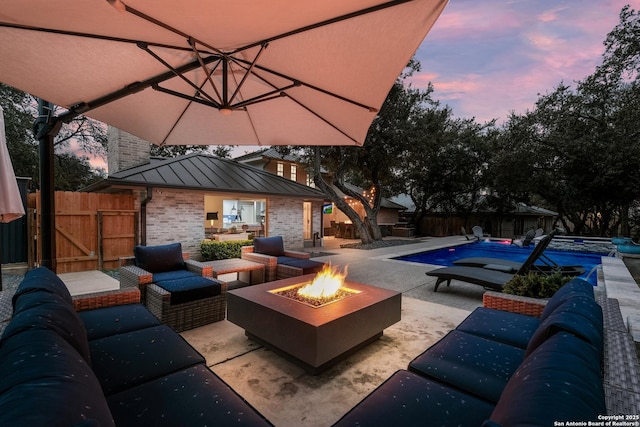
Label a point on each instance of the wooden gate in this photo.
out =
(92, 230)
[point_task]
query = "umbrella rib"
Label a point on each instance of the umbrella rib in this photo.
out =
(134, 87)
(301, 83)
(321, 118)
(94, 36)
(177, 74)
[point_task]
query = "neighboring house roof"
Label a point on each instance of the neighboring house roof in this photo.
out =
(204, 172)
(270, 153)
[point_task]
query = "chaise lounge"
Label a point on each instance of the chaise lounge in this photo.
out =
(495, 273)
(540, 263)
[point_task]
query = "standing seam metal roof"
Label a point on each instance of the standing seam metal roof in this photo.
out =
(204, 172)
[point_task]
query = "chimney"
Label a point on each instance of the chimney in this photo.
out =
(125, 150)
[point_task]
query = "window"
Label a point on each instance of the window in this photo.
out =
(280, 169)
(310, 182)
(294, 173)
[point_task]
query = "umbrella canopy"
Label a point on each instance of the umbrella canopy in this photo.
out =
(249, 72)
(10, 200)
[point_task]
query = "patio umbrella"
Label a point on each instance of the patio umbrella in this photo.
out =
(217, 72)
(10, 201)
(284, 72)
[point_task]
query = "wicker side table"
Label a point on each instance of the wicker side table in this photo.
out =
(248, 272)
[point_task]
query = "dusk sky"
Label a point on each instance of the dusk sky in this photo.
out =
(488, 58)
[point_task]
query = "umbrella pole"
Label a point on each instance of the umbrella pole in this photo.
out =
(0, 260)
(46, 128)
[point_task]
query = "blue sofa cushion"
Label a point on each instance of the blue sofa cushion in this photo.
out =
(407, 399)
(191, 289)
(156, 259)
(172, 275)
(44, 382)
(42, 279)
(107, 321)
(127, 360)
(575, 287)
(49, 311)
(273, 246)
(197, 398)
(502, 326)
(581, 316)
(559, 381)
(306, 265)
(477, 365)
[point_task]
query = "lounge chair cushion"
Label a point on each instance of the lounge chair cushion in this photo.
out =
(156, 259)
(502, 326)
(477, 365)
(44, 382)
(273, 246)
(407, 399)
(171, 275)
(306, 265)
(191, 289)
(580, 315)
(564, 365)
(42, 279)
(126, 360)
(49, 311)
(198, 397)
(107, 321)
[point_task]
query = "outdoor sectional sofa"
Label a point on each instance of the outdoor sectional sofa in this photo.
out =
(109, 366)
(501, 368)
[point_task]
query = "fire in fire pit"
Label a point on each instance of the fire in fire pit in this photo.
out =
(326, 287)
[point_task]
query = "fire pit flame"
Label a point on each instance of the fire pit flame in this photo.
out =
(326, 284)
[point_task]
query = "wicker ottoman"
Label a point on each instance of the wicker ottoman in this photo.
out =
(188, 303)
(298, 268)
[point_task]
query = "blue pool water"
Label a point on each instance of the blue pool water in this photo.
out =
(446, 256)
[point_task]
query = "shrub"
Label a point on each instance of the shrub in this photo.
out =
(536, 285)
(214, 249)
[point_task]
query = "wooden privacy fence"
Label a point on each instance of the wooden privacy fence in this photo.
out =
(92, 230)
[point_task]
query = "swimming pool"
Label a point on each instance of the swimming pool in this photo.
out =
(446, 256)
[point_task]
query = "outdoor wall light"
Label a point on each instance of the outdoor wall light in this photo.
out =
(212, 216)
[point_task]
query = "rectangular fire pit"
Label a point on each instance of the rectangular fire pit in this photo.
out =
(313, 337)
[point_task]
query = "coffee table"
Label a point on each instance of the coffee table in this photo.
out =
(248, 272)
(313, 337)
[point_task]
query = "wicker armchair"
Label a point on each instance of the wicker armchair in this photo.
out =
(132, 275)
(267, 251)
(187, 315)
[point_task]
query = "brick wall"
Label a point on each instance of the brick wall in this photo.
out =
(285, 218)
(175, 216)
(125, 150)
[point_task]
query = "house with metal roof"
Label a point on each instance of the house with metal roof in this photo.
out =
(188, 197)
(289, 166)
